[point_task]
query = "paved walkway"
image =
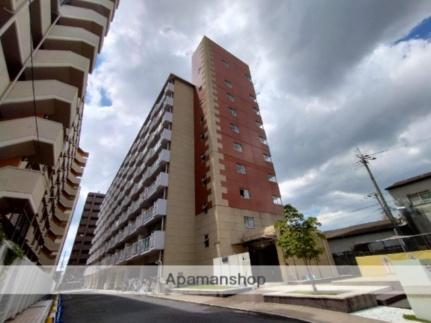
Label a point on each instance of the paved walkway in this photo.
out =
(386, 313)
(304, 313)
(37, 313)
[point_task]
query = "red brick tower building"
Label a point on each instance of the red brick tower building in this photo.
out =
(237, 194)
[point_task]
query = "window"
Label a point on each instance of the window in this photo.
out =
(253, 97)
(237, 147)
(240, 168)
(248, 76)
(225, 63)
(249, 222)
(259, 124)
(245, 193)
(256, 110)
(233, 112)
(271, 178)
(234, 128)
(263, 140)
(276, 200)
(230, 97)
(228, 84)
(267, 158)
(420, 197)
(206, 241)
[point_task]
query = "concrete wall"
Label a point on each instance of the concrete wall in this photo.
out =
(180, 219)
(380, 265)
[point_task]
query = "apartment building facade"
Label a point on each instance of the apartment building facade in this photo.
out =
(133, 227)
(47, 49)
(198, 182)
(85, 233)
(413, 197)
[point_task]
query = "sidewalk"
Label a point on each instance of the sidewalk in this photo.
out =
(37, 313)
(237, 302)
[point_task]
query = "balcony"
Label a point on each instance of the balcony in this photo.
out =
(169, 87)
(74, 179)
(21, 185)
(18, 138)
(81, 156)
(64, 66)
(56, 226)
(169, 100)
(160, 183)
(164, 158)
(84, 18)
(83, 153)
(66, 202)
(15, 32)
(77, 168)
(55, 99)
(75, 39)
(154, 242)
(69, 189)
(45, 257)
(62, 213)
(103, 7)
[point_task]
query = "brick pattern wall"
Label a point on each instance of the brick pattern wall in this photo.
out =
(231, 91)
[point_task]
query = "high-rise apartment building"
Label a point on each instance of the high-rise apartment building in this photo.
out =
(198, 181)
(47, 49)
(85, 232)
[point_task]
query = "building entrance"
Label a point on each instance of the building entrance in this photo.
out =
(264, 259)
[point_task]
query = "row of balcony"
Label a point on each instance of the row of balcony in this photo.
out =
(158, 117)
(153, 242)
(146, 142)
(140, 162)
(144, 218)
(163, 159)
(139, 145)
(158, 111)
(142, 171)
(119, 190)
(143, 201)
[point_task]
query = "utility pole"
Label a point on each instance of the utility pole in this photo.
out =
(364, 160)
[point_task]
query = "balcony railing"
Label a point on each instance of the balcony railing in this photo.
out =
(158, 210)
(155, 241)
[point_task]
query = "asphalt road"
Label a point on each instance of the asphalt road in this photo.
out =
(106, 308)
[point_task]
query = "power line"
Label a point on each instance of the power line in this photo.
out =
(361, 208)
(405, 145)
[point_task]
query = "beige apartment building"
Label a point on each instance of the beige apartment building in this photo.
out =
(157, 175)
(47, 49)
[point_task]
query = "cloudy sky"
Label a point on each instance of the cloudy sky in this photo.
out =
(330, 76)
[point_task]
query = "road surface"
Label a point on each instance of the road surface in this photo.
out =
(107, 308)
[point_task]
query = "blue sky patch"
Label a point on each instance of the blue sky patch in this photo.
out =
(420, 31)
(99, 60)
(105, 100)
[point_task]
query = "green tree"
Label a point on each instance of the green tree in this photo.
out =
(299, 237)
